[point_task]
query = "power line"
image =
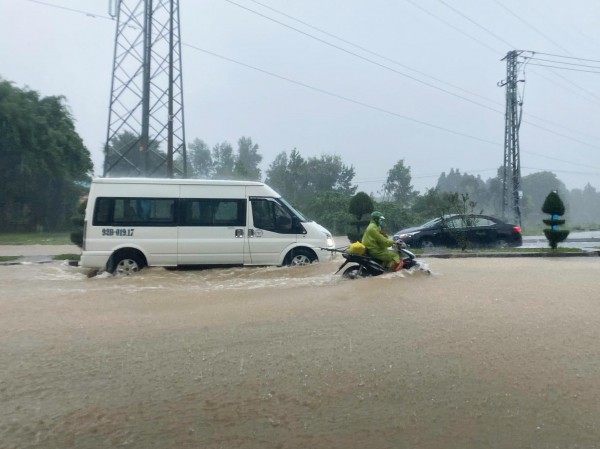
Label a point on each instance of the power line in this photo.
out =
(341, 97)
(535, 58)
(363, 57)
(531, 26)
(379, 55)
(561, 56)
(416, 5)
(475, 23)
(563, 68)
(510, 45)
(513, 46)
(99, 16)
(590, 95)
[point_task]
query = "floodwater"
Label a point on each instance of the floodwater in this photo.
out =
(482, 353)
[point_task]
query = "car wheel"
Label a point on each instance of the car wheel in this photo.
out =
(125, 264)
(502, 243)
(300, 256)
(427, 244)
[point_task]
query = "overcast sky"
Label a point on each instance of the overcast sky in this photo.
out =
(372, 81)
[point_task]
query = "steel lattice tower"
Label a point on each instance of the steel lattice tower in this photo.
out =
(511, 185)
(146, 134)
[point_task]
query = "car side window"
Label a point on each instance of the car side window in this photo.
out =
(455, 223)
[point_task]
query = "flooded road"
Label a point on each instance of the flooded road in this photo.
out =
(482, 353)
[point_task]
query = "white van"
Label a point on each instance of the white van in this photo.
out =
(131, 223)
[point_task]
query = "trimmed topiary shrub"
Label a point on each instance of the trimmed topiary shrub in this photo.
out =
(554, 206)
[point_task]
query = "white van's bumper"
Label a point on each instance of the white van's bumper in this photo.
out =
(92, 259)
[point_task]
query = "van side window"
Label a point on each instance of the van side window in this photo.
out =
(134, 212)
(213, 212)
(269, 215)
(103, 212)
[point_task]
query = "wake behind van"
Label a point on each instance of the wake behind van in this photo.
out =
(131, 223)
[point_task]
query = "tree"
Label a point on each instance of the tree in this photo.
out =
(584, 205)
(246, 163)
(331, 208)
(396, 216)
(123, 157)
(431, 204)
(463, 183)
(200, 163)
(287, 175)
(300, 180)
(43, 162)
(223, 161)
(554, 206)
(397, 186)
(329, 173)
(535, 188)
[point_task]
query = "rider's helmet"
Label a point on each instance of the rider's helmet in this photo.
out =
(378, 218)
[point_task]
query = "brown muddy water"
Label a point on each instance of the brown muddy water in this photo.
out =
(490, 353)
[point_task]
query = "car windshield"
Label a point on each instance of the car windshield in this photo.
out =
(431, 224)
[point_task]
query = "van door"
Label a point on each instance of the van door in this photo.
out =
(212, 229)
(271, 231)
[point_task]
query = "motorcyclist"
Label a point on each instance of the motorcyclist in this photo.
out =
(377, 243)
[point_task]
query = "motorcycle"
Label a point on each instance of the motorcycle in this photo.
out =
(364, 265)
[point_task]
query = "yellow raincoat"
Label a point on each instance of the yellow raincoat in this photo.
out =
(377, 246)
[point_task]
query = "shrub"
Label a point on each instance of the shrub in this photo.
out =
(554, 206)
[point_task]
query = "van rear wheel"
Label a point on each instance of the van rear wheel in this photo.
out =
(300, 256)
(126, 263)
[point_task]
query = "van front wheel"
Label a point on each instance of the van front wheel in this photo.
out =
(300, 256)
(126, 263)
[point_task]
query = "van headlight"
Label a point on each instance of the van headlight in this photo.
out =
(329, 241)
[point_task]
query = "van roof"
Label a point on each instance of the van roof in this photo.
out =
(176, 181)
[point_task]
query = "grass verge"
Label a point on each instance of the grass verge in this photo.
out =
(35, 238)
(67, 257)
(497, 250)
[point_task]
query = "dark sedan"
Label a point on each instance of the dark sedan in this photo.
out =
(462, 231)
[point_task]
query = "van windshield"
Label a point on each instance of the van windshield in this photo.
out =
(294, 211)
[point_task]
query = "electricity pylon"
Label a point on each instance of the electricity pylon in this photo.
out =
(511, 185)
(146, 134)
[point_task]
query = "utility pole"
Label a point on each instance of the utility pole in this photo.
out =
(511, 185)
(146, 133)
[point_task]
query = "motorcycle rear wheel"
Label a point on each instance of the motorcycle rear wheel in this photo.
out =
(355, 272)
